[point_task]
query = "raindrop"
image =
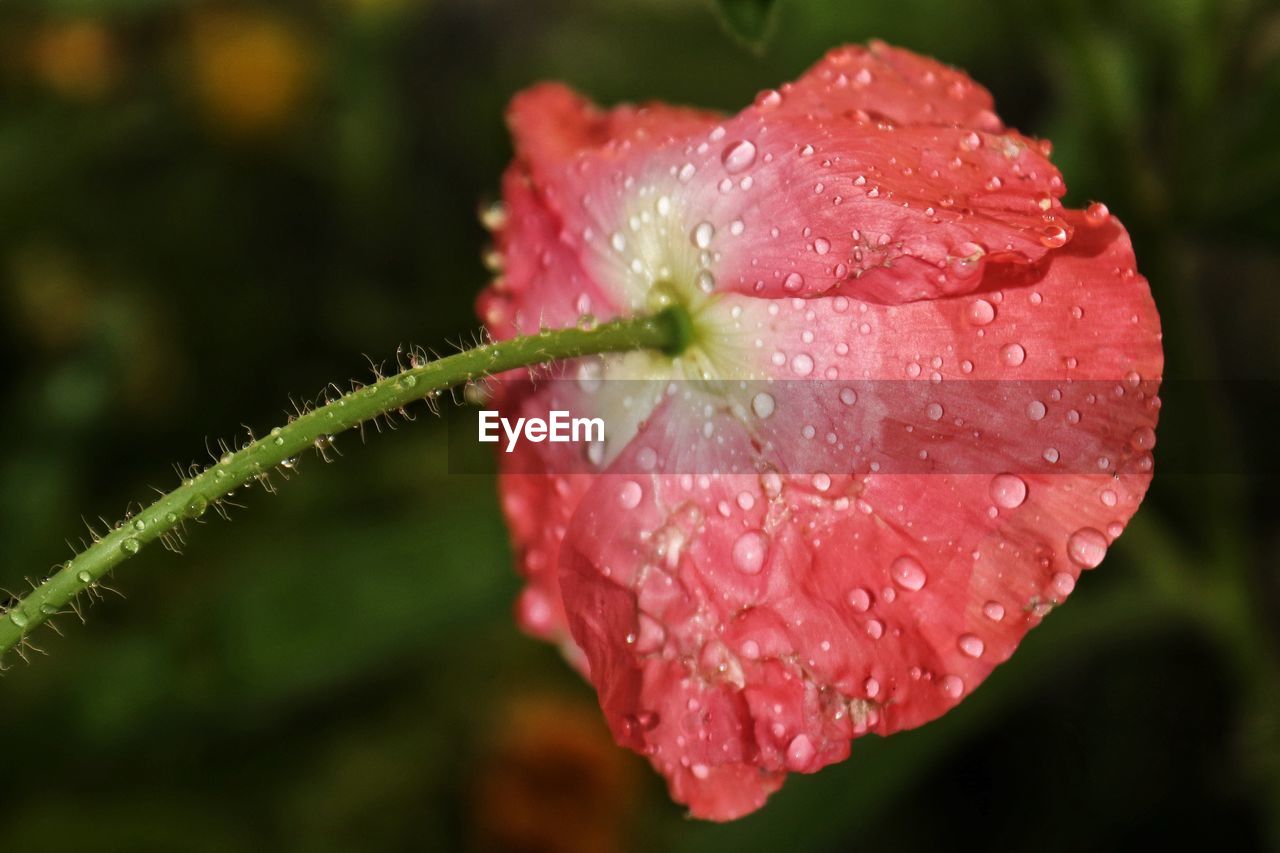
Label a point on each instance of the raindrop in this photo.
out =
(629, 495)
(1013, 355)
(762, 404)
(981, 312)
(1086, 547)
(993, 610)
(1035, 410)
(197, 506)
(934, 411)
(130, 546)
(908, 573)
(1143, 438)
(793, 282)
(1053, 236)
(848, 396)
(702, 234)
(1097, 214)
(738, 156)
(971, 645)
(802, 364)
(1008, 491)
(17, 617)
(952, 686)
(749, 552)
(800, 753)
(860, 600)
(768, 99)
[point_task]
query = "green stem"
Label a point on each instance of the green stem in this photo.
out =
(667, 330)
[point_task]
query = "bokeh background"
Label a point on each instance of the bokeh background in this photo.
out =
(208, 207)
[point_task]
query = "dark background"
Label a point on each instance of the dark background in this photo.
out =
(207, 208)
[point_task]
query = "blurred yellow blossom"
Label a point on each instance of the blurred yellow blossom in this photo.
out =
(77, 59)
(251, 70)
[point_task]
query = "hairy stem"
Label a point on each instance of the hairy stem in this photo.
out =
(667, 330)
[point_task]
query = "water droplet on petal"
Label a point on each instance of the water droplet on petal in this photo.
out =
(763, 404)
(1013, 355)
(1054, 236)
(802, 364)
(952, 686)
(1008, 491)
(702, 234)
(749, 552)
(630, 494)
(860, 600)
(993, 610)
(1143, 438)
(908, 573)
(981, 312)
(1097, 214)
(768, 99)
(793, 282)
(800, 753)
(971, 645)
(1086, 547)
(738, 156)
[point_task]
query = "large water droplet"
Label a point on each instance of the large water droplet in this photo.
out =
(1086, 547)
(802, 364)
(1013, 355)
(1054, 236)
(738, 156)
(749, 551)
(981, 312)
(130, 546)
(993, 610)
(860, 600)
(971, 645)
(800, 753)
(1097, 214)
(908, 573)
(763, 404)
(1008, 491)
(702, 234)
(630, 494)
(952, 686)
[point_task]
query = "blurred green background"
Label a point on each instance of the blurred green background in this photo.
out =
(208, 207)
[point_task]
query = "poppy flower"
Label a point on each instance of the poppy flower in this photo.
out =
(919, 400)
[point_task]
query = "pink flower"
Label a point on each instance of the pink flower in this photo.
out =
(763, 570)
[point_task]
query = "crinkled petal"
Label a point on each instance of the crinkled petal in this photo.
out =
(737, 623)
